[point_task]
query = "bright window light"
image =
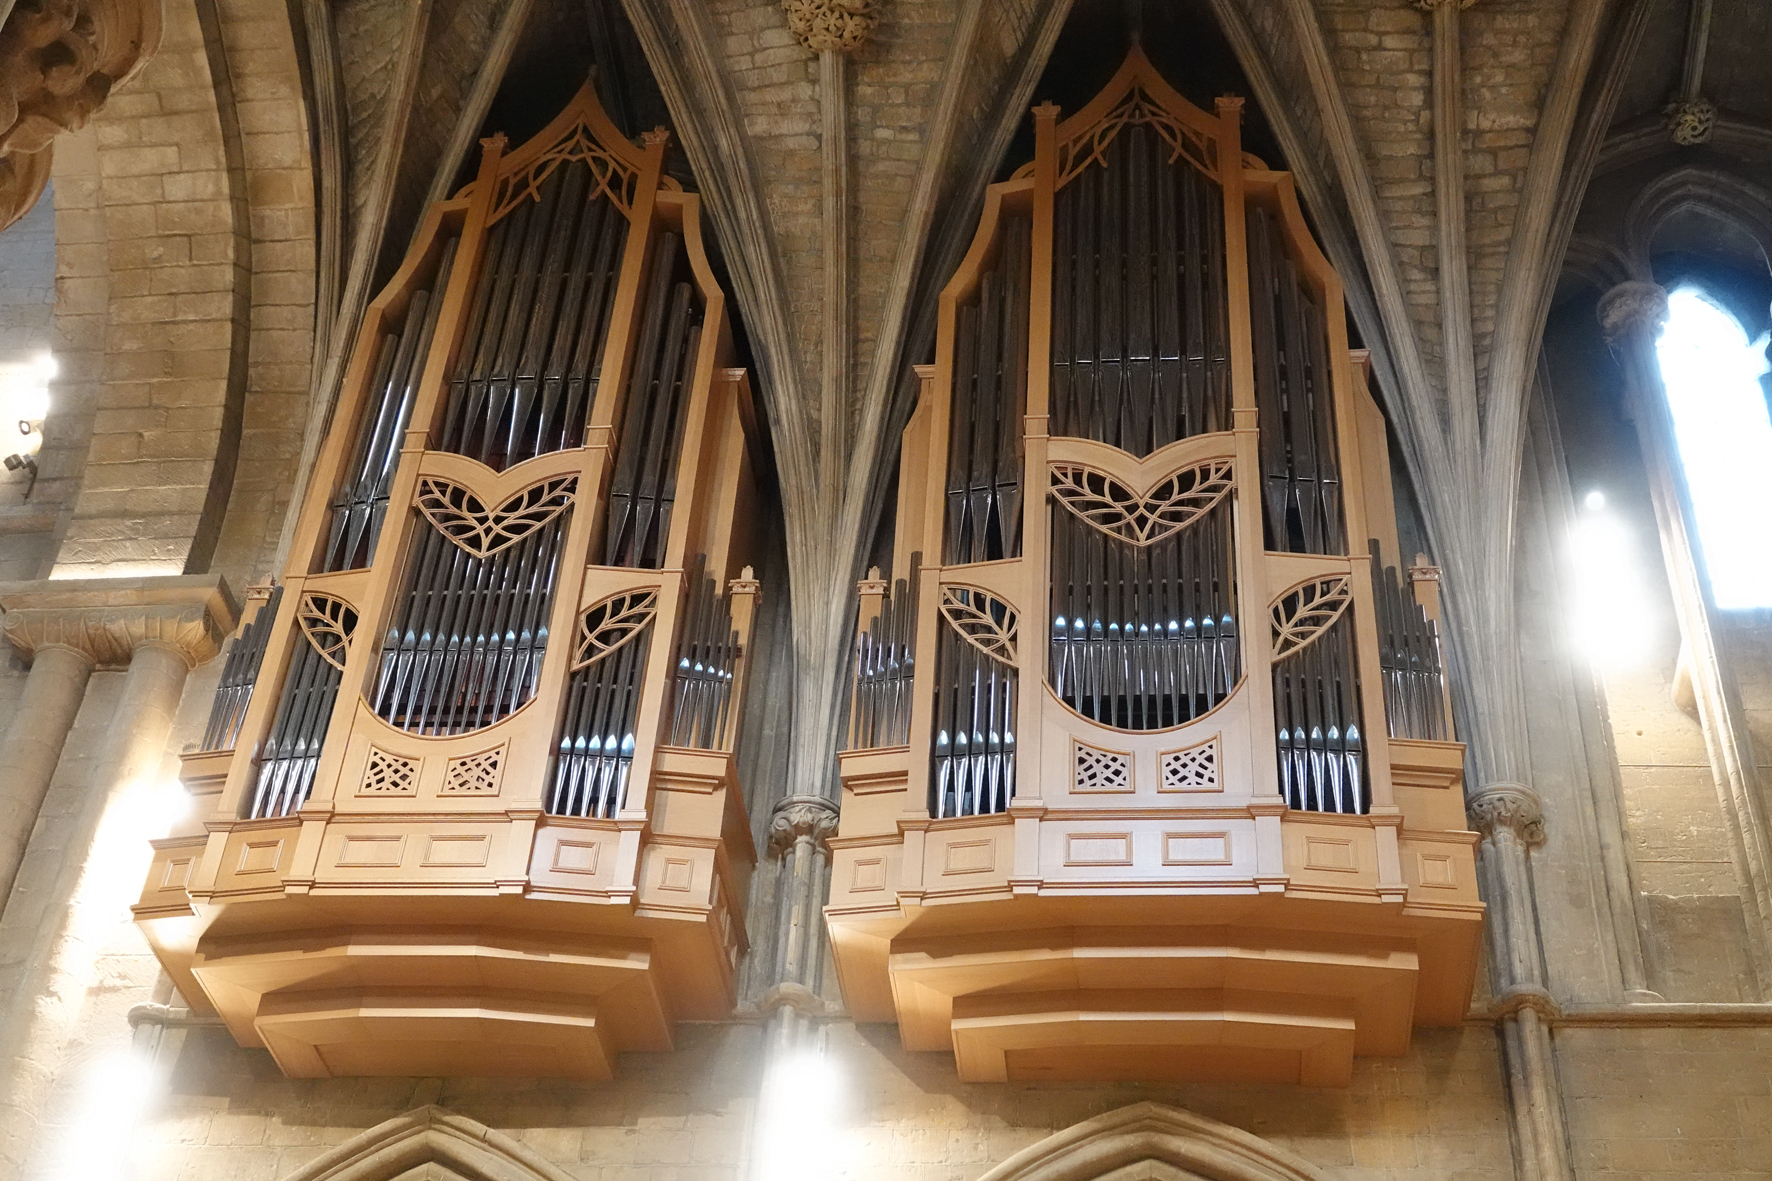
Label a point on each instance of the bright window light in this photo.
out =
(1612, 618)
(797, 1126)
(1712, 374)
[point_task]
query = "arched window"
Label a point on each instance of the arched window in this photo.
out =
(1724, 433)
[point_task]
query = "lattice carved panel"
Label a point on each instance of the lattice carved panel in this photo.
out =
(389, 774)
(1096, 770)
(988, 623)
(1172, 505)
(329, 623)
(476, 774)
(609, 176)
(1136, 108)
(482, 531)
(1307, 611)
(1192, 769)
(611, 623)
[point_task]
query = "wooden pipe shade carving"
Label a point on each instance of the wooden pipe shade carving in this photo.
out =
(1163, 833)
(473, 807)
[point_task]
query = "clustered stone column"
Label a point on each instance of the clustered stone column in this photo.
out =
(799, 830)
(157, 629)
(1631, 316)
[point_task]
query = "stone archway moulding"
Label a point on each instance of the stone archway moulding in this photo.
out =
(1178, 1144)
(429, 1135)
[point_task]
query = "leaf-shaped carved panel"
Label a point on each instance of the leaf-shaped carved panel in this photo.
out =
(464, 519)
(611, 623)
(329, 623)
(1308, 610)
(1176, 501)
(987, 622)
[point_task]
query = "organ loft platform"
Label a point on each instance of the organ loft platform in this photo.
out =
(1151, 772)
(468, 802)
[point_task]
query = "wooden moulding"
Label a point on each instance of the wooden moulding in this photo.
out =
(421, 913)
(1148, 908)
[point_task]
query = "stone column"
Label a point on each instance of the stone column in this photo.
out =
(33, 743)
(157, 629)
(798, 832)
(1631, 315)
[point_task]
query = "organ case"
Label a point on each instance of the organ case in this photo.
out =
(470, 805)
(1149, 772)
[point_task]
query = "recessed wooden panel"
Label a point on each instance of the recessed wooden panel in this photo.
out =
(970, 856)
(1437, 869)
(177, 874)
(259, 856)
(576, 856)
(1196, 848)
(465, 850)
(371, 851)
(1329, 853)
(868, 874)
(1098, 848)
(677, 874)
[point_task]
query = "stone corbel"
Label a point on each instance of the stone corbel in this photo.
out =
(1510, 806)
(108, 619)
(59, 62)
(796, 818)
(1632, 307)
(839, 25)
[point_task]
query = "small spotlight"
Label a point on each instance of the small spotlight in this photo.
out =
(1595, 501)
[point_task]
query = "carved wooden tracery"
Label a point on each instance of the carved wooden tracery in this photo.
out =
(613, 622)
(1172, 505)
(329, 623)
(986, 622)
(464, 519)
(1305, 612)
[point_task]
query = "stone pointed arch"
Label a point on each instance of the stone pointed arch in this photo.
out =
(432, 1143)
(1153, 1142)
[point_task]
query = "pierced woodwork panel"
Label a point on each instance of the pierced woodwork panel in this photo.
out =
(1174, 504)
(1136, 109)
(611, 623)
(386, 774)
(1096, 770)
(329, 623)
(609, 176)
(476, 774)
(1305, 612)
(465, 519)
(987, 623)
(1192, 769)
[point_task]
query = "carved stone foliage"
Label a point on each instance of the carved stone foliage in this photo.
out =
(1306, 612)
(464, 519)
(1691, 121)
(1512, 807)
(329, 623)
(1173, 505)
(59, 61)
(802, 816)
(987, 622)
(839, 25)
(611, 623)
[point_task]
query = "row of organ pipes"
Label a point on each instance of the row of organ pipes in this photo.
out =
(1145, 616)
(467, 623)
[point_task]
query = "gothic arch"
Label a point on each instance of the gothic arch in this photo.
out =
(1153, 1142)
(1720, 194)
(432, 1144)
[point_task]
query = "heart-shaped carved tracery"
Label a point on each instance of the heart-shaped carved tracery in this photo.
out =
(1174, 504)
(464, 519)
(1306, 611)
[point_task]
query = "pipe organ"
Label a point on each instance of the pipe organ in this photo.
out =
(1149, 772)
(469, 804)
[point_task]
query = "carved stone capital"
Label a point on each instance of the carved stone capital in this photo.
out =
(1632, 306)
(59, 61)
(1690, 121)
(839, 25)
(108, 619)
(1511, 806)
(1430, 5)
(801, 816)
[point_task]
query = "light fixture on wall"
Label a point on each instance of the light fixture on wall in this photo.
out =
(24, 400)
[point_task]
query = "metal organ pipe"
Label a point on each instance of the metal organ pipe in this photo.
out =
(1409, 654)
(885, 667)
(239, 676)
(707, 651)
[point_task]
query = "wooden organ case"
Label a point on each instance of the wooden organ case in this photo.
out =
(480, 815)
(1149, 772)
